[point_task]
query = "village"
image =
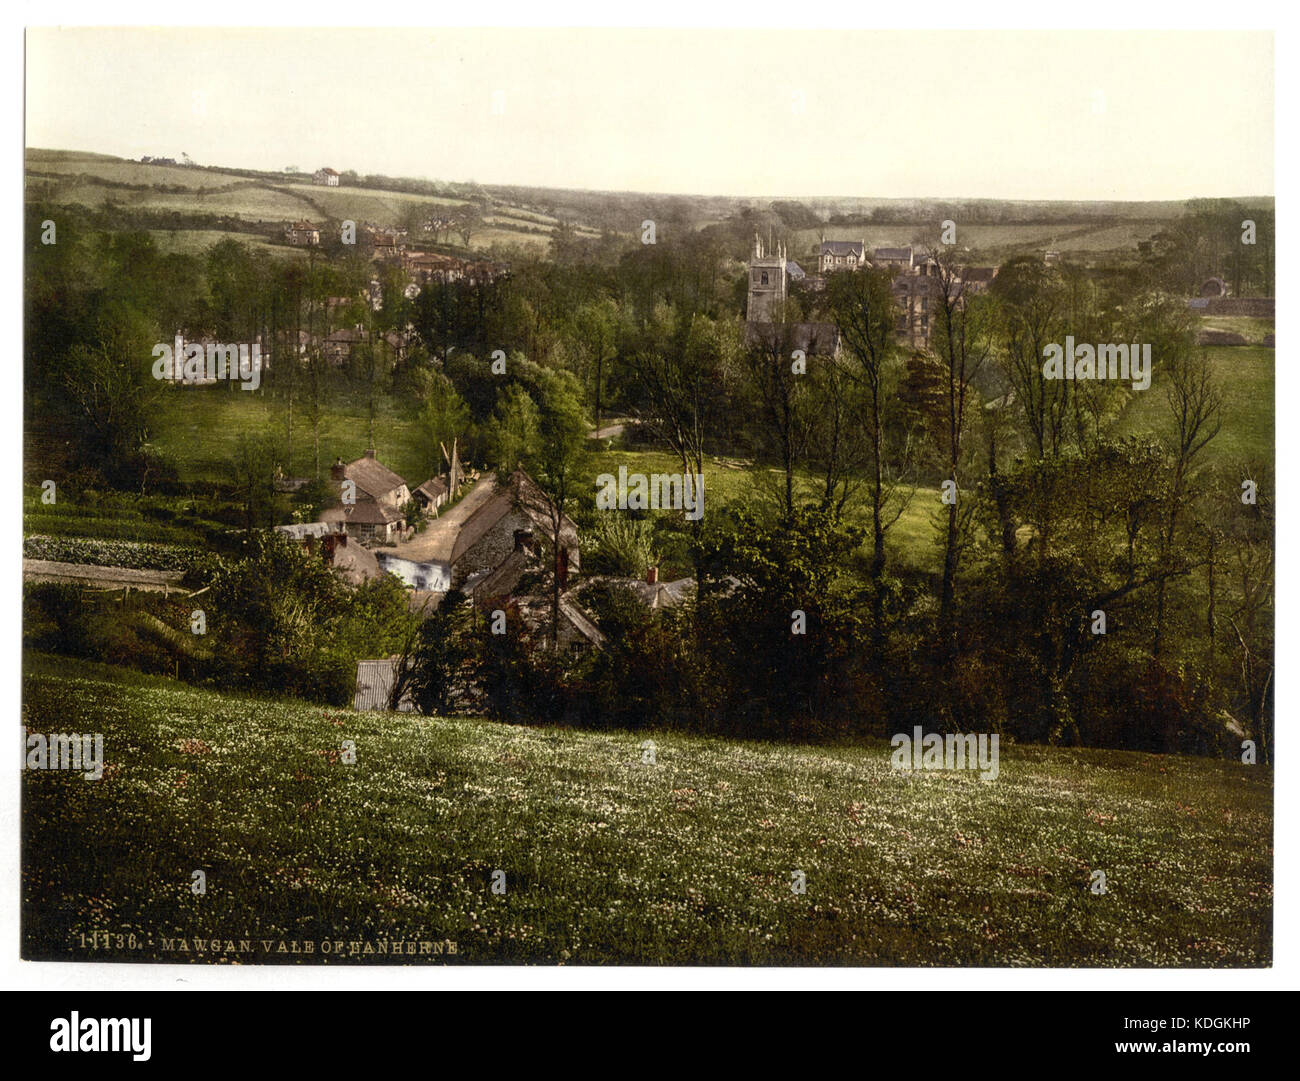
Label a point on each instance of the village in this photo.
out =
(492, 489)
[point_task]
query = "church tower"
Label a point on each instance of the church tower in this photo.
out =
(767, 282)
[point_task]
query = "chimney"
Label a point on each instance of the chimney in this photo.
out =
(336, 470)
(370, 452)
(523, 539)
(652, 576)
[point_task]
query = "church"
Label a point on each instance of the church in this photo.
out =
(770, 272)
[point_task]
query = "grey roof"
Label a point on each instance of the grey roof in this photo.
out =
(372, 477)
(432, 488)
(843, 247)
(356, 564)
(894, 253)
(362, 512)
(456, 532)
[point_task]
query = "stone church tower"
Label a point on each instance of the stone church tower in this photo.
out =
(767, 282)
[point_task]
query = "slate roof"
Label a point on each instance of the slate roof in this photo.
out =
(432, 488)
(372, 477)
(362, 512)
(456, 532)
(844, 247)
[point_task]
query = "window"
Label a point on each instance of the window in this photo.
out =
(764, 280)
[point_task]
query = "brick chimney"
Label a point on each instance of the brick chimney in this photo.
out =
(336, 470)
(370, 452)
(652, 576)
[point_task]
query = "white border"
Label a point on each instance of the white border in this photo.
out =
(938, 14)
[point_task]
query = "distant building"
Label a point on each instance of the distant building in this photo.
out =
(896, 258)
(377, 515)
(835, 255)
(340, 345)
(767, 282)
(476, 537)
(919, 295)
(327, 177)
(769, 275)
(302, 234)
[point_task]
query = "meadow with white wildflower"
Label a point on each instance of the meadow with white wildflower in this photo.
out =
(609, 859)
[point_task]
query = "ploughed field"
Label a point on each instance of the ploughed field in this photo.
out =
(608, 858)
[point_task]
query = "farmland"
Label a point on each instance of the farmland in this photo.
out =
(610, 860)
(517, 214)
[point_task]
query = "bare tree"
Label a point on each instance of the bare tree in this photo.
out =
(962, 341)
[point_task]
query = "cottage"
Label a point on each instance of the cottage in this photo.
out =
(377, 513)
(841, 255)
(340, 345)
(478, 535)
(302, 234)
(894, 258)
(328, 178)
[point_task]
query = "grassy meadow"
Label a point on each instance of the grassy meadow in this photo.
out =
(608, 859)
(1245, 375)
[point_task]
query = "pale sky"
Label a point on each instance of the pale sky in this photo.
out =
(999, 114)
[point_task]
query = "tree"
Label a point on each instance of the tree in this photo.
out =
(1196, 412)
(467, 218)
(862, 305)
(431, 666)
(555, 460)
(594, 337)
(781, 392)
(513, 431)
(443, 416)
(1031, 305)
(962, 342)
(108, 389)
(253, 475)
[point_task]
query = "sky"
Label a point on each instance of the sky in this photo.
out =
(883, 114)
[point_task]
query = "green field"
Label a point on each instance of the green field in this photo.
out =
(1245, 374)
(199, 428)
(69, 177)
(611, 860)
(198, 241)
(988, 241)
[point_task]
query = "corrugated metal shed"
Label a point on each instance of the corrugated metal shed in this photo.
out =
(375, 684)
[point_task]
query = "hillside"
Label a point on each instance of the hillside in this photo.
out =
(522, 218)
(608, 859)
(96, 180)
